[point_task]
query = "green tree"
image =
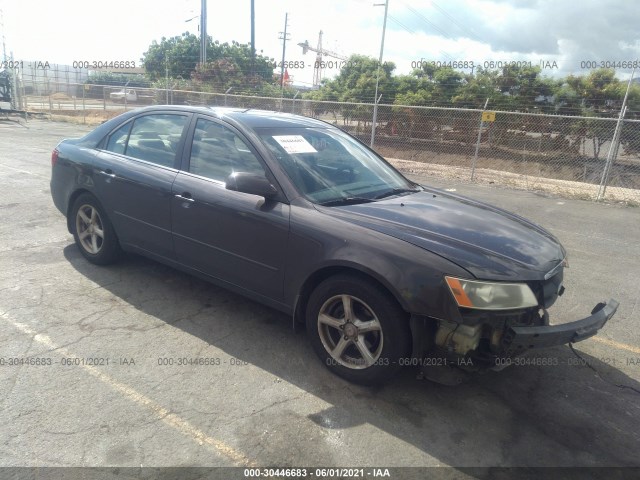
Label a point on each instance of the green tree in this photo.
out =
(436, 86)
(108, 78)
(599, 94)
(568, 98)
(356, 82)
(449, 83)
(602, 91)
(525, 89)
(321, 100)
(178, 57)
(477, 89)
(630, 134)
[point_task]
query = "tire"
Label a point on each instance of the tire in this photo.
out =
(376, 325)
(93, 232)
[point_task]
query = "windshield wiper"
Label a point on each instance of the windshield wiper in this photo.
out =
(395, 191)
(345, 201)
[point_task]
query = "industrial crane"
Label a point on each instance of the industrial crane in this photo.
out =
(319, 63)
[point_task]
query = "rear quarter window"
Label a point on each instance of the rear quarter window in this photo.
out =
(118, 140)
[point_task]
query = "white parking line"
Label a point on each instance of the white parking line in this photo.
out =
(23, 171)
(171, 419)
(618, 345)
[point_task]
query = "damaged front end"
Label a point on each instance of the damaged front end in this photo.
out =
(498, 322)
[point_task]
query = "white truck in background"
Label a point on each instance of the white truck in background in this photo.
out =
(129, 95)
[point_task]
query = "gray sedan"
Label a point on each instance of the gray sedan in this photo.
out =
(297, 214)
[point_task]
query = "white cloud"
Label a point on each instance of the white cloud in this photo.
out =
(481, 30)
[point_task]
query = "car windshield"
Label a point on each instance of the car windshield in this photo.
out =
(329, 167)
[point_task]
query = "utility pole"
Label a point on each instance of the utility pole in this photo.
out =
(203, 32)
(4, 46)
(14, 86)
(375, 98)
(284, 36)
(253, 38)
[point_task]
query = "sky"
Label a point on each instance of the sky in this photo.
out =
(563, 36)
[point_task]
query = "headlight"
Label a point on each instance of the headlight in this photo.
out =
(491, 296)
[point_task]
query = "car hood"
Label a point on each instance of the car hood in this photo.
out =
(489, 242)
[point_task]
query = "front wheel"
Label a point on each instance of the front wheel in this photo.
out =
(357, 329)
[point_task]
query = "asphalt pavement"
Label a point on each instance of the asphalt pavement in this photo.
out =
(137, 364)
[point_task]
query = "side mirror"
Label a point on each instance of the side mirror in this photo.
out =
(252, 183)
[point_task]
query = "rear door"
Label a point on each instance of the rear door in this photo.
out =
(236, 237)
(138, 164)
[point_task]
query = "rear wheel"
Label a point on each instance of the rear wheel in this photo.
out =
(93, 232)
(357, 329)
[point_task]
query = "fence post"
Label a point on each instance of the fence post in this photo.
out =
(613, 152)
(374, 120)
(225, 95)
(475, 155)
(293, 104)
(84, 108)
(615, 143)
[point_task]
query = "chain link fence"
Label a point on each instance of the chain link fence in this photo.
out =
(567, 155)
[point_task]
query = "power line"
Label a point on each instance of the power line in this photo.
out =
(402, 25)
(462, 27)
(427, 21)
(412, 32)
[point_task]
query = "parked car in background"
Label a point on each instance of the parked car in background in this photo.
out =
(297, 214)
(129, 95)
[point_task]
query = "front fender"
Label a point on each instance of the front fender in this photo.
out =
(320, 243)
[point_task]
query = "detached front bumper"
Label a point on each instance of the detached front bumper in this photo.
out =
(519, 339)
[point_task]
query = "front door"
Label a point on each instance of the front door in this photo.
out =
(236, 237)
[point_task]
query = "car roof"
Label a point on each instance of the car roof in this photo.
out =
(250, 117)
(255, 118)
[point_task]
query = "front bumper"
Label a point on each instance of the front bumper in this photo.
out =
(518, 339)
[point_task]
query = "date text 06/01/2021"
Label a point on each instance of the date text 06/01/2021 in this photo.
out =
(337, 472)
(487, 64)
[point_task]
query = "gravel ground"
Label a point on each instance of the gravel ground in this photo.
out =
(564, 188)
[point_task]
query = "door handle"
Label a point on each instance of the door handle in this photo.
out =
(185, 197)
(108, 173)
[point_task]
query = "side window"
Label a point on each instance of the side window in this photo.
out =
(118, 139)
(217, 152)
(155, 138)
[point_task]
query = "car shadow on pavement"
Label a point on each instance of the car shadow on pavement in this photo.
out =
(561, 414)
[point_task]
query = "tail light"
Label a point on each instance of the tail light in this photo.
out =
(54, 157)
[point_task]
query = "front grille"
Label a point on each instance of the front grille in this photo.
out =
(497, 319)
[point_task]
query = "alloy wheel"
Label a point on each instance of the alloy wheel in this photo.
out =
(350, 331)
(90, 229)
